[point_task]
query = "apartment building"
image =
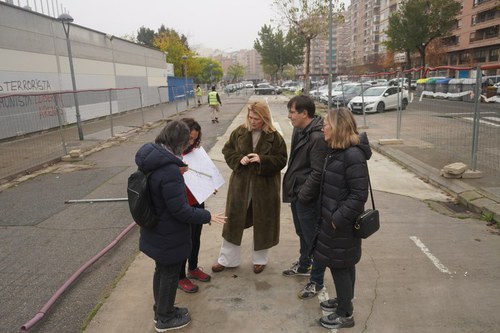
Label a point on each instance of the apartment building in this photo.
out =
(364, 18)
(476, 37)
(474, 41)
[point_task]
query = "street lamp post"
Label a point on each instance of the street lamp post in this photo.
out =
(184, 57)
(66, 19)
(211, 73)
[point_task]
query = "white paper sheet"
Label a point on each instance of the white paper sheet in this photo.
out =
(202, 177)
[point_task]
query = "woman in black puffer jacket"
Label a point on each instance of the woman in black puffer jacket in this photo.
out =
(169, 242)
(344, 191)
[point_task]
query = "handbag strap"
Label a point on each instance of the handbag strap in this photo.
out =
(370, 185)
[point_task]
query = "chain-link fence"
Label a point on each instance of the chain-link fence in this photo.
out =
(443, 120)
(42, 115)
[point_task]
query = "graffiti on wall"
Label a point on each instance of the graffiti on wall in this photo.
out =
(43, 106)
(25, 85)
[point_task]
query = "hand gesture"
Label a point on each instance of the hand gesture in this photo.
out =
(245, 160)
(218, 218)
(253, 158)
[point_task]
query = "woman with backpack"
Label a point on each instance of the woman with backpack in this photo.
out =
(169, 242)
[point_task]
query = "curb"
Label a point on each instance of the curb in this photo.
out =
(477, 200)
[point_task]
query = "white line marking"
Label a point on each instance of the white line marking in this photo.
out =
(429, 255)
(482, 122)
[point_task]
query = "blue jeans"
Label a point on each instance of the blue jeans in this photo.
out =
(305, 219)
(165, 281)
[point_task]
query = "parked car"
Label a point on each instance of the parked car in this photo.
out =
(267, 89)
(316, 93)
(395, 82)
(230, 88)
(345, 98)
(336, 91)
(379, 99)
(249, 85)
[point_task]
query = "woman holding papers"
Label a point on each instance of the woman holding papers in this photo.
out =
(256, 153)
(194, 272)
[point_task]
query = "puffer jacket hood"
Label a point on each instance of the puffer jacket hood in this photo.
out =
(153, 156)
(364, 145)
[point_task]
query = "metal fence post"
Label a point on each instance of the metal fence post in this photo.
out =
(58, 111)
(142, 109)
(111, 114)
(161, 106)
(400, 100)
(477, 116)
(363, 104)
(174, 89)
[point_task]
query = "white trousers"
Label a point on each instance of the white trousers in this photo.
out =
(230, 255)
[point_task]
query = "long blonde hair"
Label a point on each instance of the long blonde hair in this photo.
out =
(262, 110)
(344, 132)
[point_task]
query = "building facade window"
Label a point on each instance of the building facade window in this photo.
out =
(494, 54)
(479, 56)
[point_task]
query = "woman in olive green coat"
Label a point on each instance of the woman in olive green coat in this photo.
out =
(256, 153)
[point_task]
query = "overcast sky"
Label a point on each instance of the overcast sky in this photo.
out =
(226, 25)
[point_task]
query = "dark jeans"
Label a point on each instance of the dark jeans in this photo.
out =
(165, 281)
(195, 251)
(344, 279)
(305, 219)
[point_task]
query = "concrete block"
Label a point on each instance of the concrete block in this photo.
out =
(68, 158)
(450, 175)
(75, 153)
(472, 174)
(390, 142)
(455, 168)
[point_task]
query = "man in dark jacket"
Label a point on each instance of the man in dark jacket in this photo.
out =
(301, 185)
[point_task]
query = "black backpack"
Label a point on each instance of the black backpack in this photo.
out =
(139, 200)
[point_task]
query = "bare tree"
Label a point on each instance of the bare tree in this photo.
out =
(307, 19)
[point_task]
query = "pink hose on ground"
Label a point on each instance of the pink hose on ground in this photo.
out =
(72, 279)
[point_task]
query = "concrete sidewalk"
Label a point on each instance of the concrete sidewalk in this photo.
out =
(237, 300)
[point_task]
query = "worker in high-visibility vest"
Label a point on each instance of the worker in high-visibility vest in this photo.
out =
(198, 92)
(214, 102)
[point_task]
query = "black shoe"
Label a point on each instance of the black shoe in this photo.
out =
(296, 270)
(330, 305)
(178, 321)
(179, 311)
(335, 321)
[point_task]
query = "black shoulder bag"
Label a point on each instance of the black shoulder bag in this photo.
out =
(368, 222)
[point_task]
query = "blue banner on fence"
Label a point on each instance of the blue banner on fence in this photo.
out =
(177, 88)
